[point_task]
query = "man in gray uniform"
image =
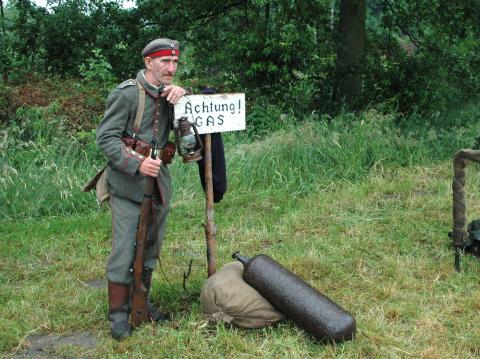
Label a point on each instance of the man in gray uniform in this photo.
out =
(122, 135)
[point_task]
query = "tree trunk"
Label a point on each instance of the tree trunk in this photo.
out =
(332, 14)
(350, 52)
(3, 18)
(267, 20)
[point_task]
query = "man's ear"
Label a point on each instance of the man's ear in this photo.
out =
(147, 61)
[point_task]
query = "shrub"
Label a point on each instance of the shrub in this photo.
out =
(97, 70)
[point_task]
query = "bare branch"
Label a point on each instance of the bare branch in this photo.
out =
(412, 38)
(216, 10)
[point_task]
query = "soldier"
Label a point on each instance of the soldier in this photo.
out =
(122, 135)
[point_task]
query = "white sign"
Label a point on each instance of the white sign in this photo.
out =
(213, 113)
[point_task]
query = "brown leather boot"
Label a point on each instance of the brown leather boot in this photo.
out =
(118, 310)
(153, 313)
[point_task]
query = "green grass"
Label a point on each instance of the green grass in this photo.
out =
(43, 167)
(357, 207)
(377, 246)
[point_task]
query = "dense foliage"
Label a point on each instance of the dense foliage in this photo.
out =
(421, 56)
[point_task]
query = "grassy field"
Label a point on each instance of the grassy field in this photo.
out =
(359, 207)
(377, 246)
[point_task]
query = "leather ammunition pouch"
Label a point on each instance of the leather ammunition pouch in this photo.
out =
(137, 145)
(166, 155)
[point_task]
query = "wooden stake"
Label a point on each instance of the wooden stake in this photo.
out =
(209, 225)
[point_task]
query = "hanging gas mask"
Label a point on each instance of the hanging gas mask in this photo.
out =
(189, 145)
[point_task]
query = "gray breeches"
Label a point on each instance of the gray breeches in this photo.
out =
(125, 215)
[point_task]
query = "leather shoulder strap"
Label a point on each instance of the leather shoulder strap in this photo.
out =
(140, 109)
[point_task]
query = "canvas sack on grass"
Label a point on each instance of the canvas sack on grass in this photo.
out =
(227, 297)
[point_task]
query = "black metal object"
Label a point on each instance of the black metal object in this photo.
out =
(303, 304)
(470, 245)
(473, 244)
(458, 268)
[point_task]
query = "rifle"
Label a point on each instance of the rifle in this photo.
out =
(139, 291)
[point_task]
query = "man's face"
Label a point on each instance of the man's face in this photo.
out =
(161, 70)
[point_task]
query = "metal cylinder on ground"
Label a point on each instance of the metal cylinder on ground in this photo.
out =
(303, 304)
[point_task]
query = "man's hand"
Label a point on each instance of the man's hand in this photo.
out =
(173, 93)
(150, 167)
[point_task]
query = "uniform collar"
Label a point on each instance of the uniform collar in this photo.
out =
(152, 90)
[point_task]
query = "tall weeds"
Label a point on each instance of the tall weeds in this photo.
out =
(312, 155)
(44, 166)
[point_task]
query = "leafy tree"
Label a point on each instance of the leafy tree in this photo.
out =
(428, 62)
(27, 26)
(269, 49)
(298, 55)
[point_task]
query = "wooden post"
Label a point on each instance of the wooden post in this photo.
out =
(229, 109)
(209, 225)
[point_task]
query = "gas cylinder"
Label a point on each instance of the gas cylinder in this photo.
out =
(300, 302)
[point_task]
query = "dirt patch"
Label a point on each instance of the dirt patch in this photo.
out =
(80, 104)
(392, 197)
(83, 109)
(30, 95)
(44, 346)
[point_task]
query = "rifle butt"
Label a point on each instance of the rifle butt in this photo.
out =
(139, 313)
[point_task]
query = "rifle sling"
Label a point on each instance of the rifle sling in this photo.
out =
(140, 109)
